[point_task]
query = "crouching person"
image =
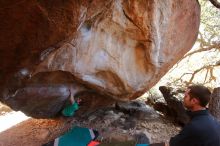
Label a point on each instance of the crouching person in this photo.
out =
(203, 129)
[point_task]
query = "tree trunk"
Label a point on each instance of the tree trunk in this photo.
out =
(214, 105)
(175, 107)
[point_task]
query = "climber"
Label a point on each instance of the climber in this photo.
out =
(203, 129)
(70, 110)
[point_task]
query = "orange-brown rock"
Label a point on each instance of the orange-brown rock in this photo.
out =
(117, 48)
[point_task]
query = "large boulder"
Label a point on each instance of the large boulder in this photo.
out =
(116, 48)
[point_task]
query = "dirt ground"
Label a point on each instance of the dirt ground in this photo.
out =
(111, 124)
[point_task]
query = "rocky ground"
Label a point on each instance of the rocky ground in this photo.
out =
(123, 121)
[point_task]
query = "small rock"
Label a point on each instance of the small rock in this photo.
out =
(110, 112)
(43, 134)
(91, 118)
(155, 130)
(120, 114)
(120, 137)
(122, 119)
(142, 138)
(143, 125)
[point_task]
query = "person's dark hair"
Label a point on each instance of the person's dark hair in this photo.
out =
(201, 93)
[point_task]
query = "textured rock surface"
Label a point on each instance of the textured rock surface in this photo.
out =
(117, 48)
(43, 102)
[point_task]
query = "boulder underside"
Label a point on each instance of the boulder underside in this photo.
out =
(114, 49)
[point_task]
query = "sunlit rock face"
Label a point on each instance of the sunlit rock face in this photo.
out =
(115, 48)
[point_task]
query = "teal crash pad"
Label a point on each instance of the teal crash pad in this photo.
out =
(77, 136)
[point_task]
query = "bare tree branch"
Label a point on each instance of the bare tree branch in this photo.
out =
(209, 69)
(215, 3)
(214, 46)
